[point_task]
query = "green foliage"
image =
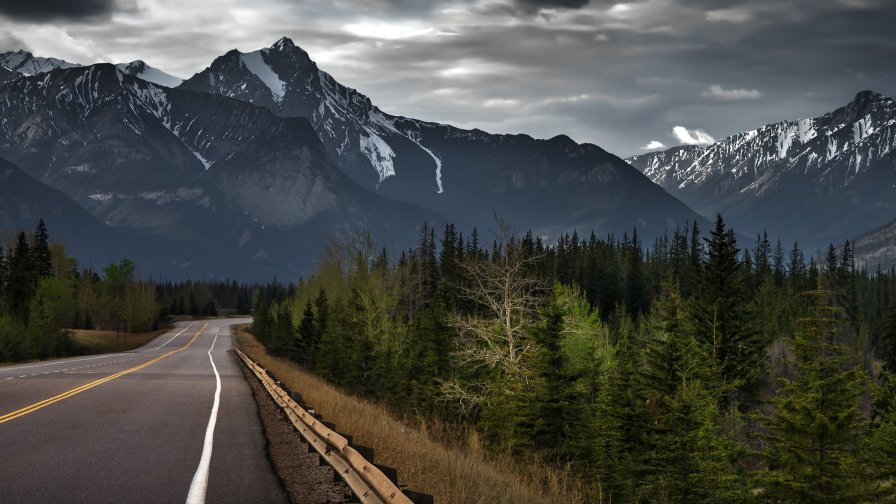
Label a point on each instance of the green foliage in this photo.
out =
(724, 322)
(816, 432)
(644, 369)
(42, 294)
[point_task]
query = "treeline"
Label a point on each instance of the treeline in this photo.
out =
(688, 371)
(43, 293)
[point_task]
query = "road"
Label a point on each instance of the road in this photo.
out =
(173, 421)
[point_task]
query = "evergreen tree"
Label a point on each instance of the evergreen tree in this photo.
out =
(22, 279)
(620, 417)
(261, 321)
(42, 259)
(723, 321)
(885, 343)
(305, 337)
(686, 457)
(814, 435)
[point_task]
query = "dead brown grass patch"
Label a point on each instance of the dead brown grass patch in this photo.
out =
(460, 474)
(111, 341)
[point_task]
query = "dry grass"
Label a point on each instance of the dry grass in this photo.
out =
(460, 474)
(96, 342)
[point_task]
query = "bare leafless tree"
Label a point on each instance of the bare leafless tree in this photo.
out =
(507, 295)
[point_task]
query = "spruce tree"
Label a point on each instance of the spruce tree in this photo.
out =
(620, 417)
(885, 343)
(40, 251)
(302, 347)
(814, 435)
(687, 458)
(723, 321)
(22, 280)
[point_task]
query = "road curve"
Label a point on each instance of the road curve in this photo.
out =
(137, 426)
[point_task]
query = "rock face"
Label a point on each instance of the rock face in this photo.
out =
(205, 170)
(24, 201)
(816, 180)
(877, 248)
(140, 69)
(249, 167)
(469, 176)
(25, 63)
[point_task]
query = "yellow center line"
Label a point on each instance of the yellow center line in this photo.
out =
(77, 390)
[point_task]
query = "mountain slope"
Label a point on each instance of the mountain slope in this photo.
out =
(7, 74)
(817, 180)
(26, 63)
(140, 69)
(206, 170)
(549, 185)
(24, 201)
(877, 247)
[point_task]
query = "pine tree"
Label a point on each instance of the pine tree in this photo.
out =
(304, 342)
(4, 278)
(796, 269)
(778, 264)
(881, 446)
(22, 280)
(620, 417)
(40, 251)
(724, 324)
(815, 433)
(261, 321)
(885, 343)
(687, 458)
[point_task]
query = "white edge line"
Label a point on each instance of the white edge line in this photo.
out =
(172, 338)
(199, 486)
(13, 368)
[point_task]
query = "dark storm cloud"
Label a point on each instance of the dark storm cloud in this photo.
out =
(536, 5)
(53, 10)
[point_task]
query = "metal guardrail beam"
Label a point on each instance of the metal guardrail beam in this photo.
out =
(367, 482)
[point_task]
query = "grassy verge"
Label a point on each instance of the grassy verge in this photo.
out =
(96, 342)
(460, 474)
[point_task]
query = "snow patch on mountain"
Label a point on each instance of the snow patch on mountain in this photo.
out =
(143, 71)
(861, 129)
(26, 63)
(254, 61)
(379, 153)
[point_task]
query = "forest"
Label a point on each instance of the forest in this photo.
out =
(690, 370)
(44, 293)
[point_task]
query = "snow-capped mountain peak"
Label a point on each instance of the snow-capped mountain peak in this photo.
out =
(26, 63)
(844, 156)
(140, 69)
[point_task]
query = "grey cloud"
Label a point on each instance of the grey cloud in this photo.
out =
(9, 42)
(643, 70)
(52, 10)
(536, 5)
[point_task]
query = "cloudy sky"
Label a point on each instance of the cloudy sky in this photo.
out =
(629, 77)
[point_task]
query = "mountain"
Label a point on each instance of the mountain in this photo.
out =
(209, 172)
(7, 74)
(24, 201)
(26, 63)
(818, 180)
(877, 247)
(140, 69)
(550, 186)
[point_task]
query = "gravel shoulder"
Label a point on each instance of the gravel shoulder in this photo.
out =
(305, 478)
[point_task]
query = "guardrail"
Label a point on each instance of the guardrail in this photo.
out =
(368, 483)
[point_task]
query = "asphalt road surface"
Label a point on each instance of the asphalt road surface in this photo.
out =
(173, 421)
